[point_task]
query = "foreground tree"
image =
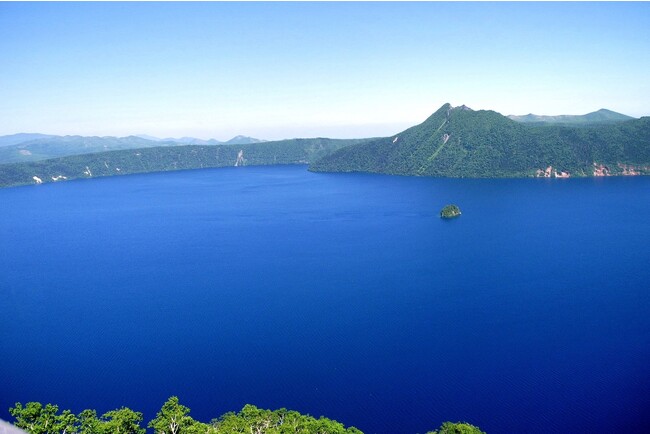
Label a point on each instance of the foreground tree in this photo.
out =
(259, 421)
(89, 423)
(122, 421)
(173, 418)
(37, 419)
(457, 428)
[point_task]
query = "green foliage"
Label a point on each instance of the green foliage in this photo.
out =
(122, 421)
(88, 422)
(36, 419)
(167, 158)
(173, 418)
(458, 142)
(457, 428)
(282, 421)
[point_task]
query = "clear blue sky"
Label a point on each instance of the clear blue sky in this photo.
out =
(277, 70)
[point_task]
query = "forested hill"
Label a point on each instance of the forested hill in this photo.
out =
(158, 159)
(460, 142)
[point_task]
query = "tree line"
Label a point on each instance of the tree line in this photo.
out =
(174, 418)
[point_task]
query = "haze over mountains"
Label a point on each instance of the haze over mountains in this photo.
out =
(24, 147)
(237, 140)
(15, 139)
(600, 116)
(452, 142)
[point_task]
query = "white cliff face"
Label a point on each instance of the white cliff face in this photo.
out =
(550, 172)
(601, 170)
(240, 158)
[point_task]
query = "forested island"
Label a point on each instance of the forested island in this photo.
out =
(453, 142)
(174, 418)
(450, 211)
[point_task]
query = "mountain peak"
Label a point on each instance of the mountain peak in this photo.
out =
(148, 137)
(242, 140)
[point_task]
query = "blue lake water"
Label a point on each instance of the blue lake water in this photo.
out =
(342, 295)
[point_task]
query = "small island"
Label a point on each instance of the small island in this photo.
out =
(450, 211)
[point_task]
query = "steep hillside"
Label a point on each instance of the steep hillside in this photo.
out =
(158, 159)
(460, 142)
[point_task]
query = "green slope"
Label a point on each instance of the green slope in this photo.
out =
(157, 159)
(459, 142)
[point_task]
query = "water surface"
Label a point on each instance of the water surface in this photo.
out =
(337, 295)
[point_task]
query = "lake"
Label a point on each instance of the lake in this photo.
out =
(343, 295)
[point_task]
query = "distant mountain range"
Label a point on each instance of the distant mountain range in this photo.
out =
(600, 116)
(34, 147)
(15, 139)
(452, 142)
(237, 140)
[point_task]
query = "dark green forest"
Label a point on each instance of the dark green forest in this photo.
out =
(174, 418)
(459, 142)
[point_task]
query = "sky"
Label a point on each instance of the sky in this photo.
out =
(284, 70)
